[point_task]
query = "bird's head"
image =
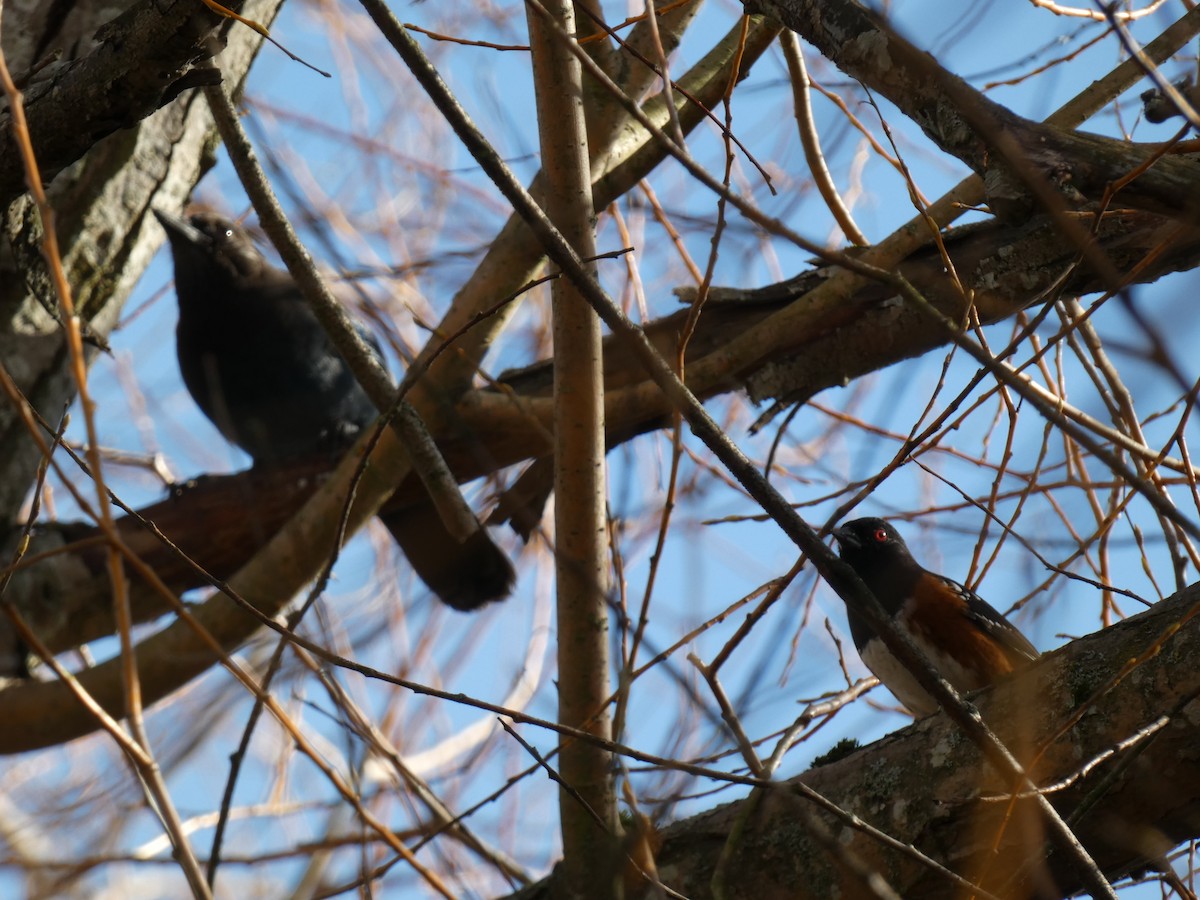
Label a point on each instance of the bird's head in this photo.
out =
(870, 544)
(204, 239)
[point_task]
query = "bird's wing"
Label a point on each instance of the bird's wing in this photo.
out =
(991, 620)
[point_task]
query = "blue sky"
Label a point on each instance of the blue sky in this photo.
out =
(410, 194)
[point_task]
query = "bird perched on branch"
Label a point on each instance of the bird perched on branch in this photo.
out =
(968, 641)
(260, 366)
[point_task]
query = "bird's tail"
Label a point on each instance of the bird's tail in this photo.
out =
(464, 575)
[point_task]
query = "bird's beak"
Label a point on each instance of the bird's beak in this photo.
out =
(178, 230)
(846, 538)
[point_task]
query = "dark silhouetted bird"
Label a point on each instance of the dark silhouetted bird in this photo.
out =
(262, 369)
(969, 642)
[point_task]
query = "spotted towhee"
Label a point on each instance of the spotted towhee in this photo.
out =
(966, 640)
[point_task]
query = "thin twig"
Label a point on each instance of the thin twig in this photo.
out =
(839, 575)
(157, 795)
(811, 141)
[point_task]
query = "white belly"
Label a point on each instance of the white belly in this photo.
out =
(897, 679)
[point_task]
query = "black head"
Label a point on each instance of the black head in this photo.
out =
(869, 544)
(205, 240)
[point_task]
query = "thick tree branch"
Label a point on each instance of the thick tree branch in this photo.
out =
(1015, 156)
(588, 798)
(928, 787)
(101, 204)
(138, 58)
(1007, 267)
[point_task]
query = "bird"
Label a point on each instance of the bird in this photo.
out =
(968, 641)
(261, 368)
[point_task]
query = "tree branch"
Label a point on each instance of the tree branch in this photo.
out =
(927, 787)
(1007, 267)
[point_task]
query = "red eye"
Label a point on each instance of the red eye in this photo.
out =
(881, 536)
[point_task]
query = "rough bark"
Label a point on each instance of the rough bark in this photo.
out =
(110, 159)
(926, 786)
(1007, 267)
(103, 198)
(1016, 157)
